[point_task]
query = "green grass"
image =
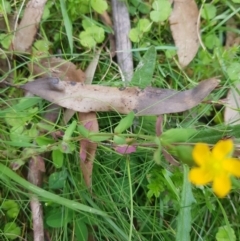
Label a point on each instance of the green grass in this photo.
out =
(133, 196)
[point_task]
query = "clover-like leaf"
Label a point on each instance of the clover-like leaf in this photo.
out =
(162, 10)
(209, 11)
(144, 25)
(11, 230)
(92, 35)
(98, 34)
(87, 40)
(135, 35)
(225, 233)
(99, 5)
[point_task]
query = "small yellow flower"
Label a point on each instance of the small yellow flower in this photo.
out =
(215, 166)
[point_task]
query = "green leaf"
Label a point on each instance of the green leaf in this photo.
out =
(225, 233)
(81, 231)
(69, 131)
(155, 189)
(177, 135)
(57, 179)
(97, 33)
(44, 141)
(184, 219)
(124, 123)
(57, 157)
(83, 131)
(5, 7)
(236, 1)
(183, 153)
(143, 74)
(91, 36)
(119, 140)
(211, 41)
(157, 156)
(99, 5)
(162, 10)
(5, 40)
(59, 218)
(46, 12)
(144, 8)
(8, 204)
(40, 47)
(135, 35)
(87, 23)
(12, 231)
(11, 207)
(144, 25)
(99, 136)
(209, 11)
(66, 147)
(233, 71)
(170, 53)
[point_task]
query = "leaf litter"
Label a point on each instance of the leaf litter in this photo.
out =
(183, 24)
(88, 98)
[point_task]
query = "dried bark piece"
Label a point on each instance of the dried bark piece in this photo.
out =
(28, 26)
(88, 98)
(183, 24)
(122, 27)
(35, 176)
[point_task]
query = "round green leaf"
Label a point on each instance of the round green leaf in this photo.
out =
(212, 41)
(58, 218)
(162, 10)
(11, 230)
(97, 34)
(99, 5)
(57, 179)
(209, 11)
(87, 40)
(225, 233)
(135, 35)
(144, 25)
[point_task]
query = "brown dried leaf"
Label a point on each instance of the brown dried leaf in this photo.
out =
(183, 24)
(57, 67)
(28, 26)
(232, 114)
(88, 98)
(87, 148)
(89, 74)
(232, 38)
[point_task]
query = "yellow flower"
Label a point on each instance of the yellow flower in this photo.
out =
(215, 166)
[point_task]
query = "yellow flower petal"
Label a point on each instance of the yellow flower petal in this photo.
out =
(201, 153)
(232, 166)
(199, 176)
(221, 185)
(222, 149)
